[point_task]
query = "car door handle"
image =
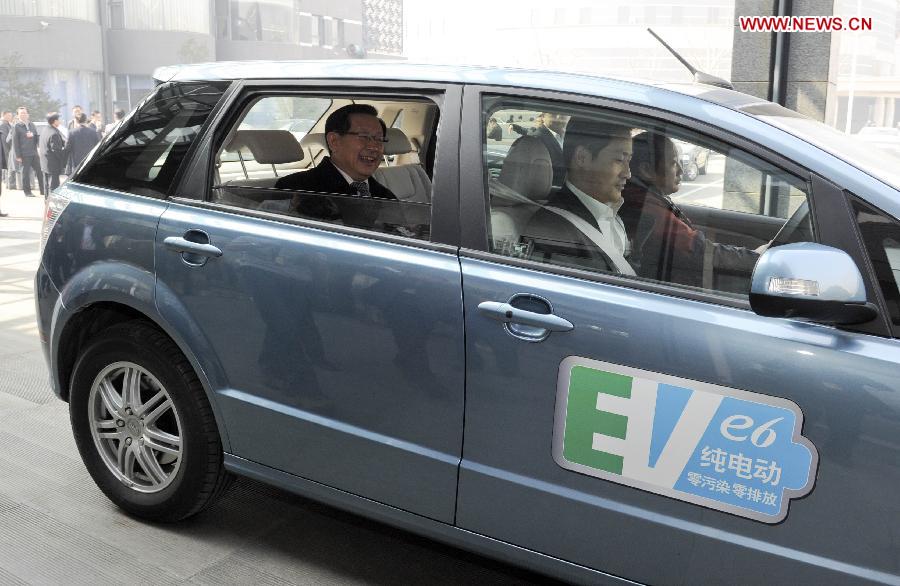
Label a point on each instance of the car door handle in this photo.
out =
(179, 244)
(506, 313)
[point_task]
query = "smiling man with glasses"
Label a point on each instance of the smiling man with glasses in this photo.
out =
(355, 137)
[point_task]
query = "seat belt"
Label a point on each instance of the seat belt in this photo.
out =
(598, 238)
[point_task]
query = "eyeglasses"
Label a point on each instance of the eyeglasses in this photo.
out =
(367, 138)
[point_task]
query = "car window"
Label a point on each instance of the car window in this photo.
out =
(146, 150)
(276, 159)
(881, 235)
(594, 189)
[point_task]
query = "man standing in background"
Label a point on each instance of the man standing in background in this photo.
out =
(52, 151)
(5, 136)
(12, 167)
(76, 112)
(5, 129)
(97, 122)
(118, 115)
(82, 139)
(25, 142)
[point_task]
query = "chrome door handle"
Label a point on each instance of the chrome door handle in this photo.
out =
(179, 244)
(506, 313)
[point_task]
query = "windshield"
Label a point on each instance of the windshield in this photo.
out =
(876, 153)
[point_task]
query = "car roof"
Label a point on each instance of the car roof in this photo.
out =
(577, 83)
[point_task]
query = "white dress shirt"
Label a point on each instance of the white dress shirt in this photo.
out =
(607, 217)
(350, 180)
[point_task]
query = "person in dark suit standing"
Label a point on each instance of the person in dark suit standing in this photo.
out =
(597, 155)
(5, 136)
(5, 130)
(82, 139)
(550, 129)
(72, 125)
(25, 142)
(52, 152)
(3, 160)
(355, 137)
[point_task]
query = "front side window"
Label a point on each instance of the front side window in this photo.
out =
(599, 190)
(144, 154)
(331, 158)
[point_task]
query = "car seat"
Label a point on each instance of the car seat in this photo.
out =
(523, 185)
(408, 182)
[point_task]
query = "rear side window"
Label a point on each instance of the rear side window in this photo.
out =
(144, 154)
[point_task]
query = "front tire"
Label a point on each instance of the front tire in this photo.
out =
(143, 425)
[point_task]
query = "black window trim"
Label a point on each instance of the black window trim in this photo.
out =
(123, 127)
(445, 181)
(475, 205)
(862, 259)
(198, 150)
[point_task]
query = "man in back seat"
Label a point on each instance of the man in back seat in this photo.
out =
(579, 225)
(355, 137)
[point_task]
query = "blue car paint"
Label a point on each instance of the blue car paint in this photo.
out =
(337, 358)
(511, 392)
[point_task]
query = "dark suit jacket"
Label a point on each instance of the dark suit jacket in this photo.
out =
(23, 145)
(325, 178)
(553, 239)
(52, 151)
(81, 140)
(5, 130)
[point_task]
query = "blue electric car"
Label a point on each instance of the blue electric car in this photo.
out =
(664, 416)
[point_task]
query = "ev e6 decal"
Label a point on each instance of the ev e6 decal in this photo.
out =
(717, 447)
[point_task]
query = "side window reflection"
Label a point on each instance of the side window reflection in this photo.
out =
(602, 191)
(331, 160)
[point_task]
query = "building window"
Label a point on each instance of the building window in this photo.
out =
(275, 21)
(169, 15)
(75, 9)
(315, 29)
(333, 31)
(116, 14)
(129, 90)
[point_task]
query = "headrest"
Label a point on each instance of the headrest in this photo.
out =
(314, 139)
(269, 147)
(397, 143)
(527, 168)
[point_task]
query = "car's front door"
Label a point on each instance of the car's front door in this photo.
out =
(662, 432)
(335, 353)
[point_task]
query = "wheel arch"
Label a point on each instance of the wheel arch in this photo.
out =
(84, 315)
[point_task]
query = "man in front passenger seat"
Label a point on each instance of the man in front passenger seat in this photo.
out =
(355, 137)
(579, 225)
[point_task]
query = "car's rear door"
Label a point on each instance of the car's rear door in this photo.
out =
(662, 432)
(335, 353)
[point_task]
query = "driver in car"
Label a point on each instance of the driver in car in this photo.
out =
(667, 247)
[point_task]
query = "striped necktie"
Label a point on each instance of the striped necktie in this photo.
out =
(362, 188)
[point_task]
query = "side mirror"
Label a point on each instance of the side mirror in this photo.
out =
(810, 281)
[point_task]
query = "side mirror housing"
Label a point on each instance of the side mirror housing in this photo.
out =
(810, 281)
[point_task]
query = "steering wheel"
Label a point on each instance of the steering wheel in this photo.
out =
(795, 222)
